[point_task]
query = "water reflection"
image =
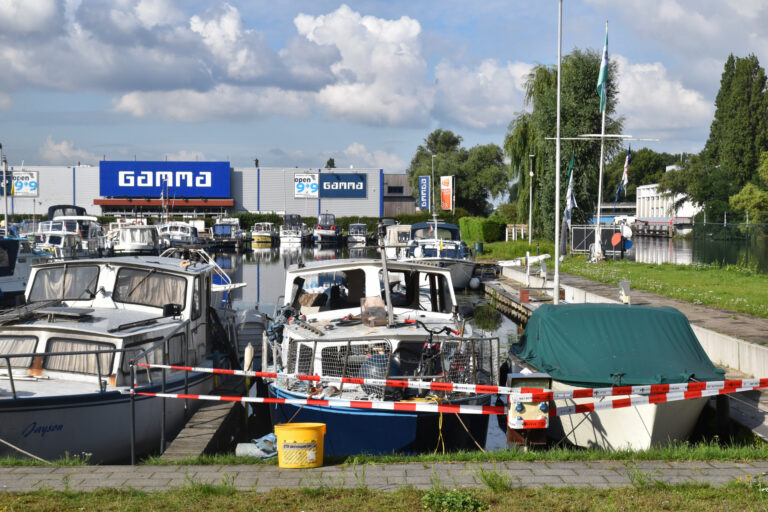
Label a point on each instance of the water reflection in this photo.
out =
(750, 252)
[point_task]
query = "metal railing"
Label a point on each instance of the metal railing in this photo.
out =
(185, 325)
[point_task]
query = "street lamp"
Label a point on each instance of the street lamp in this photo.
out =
(530, 202)
(432, 187)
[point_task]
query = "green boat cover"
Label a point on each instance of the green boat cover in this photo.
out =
(596, 345)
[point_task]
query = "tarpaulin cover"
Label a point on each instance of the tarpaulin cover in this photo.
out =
(595, 345)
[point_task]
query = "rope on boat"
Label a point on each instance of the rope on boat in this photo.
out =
(14, 447)
(517, 394)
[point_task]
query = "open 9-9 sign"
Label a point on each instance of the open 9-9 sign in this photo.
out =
(24, 184)
(305, 186)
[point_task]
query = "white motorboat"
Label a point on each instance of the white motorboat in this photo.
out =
(176, 233)
(16, 259)
(136, 239)
(93, 240)
(335, 323)
(604, 345)
(439, 243)
(66, 355)
(358, 234)
(294, 231)
(59, 244)
(396, 239)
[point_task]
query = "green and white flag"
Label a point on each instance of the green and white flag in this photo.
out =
(602, 79)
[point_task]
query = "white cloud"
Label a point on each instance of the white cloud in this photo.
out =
(359, 156)
(650, 100)
(489, 95)
(158, 12)
(5, 101)
(381, 77)
(29, 16)
(224, 101)
(64, 153)
(185, 156)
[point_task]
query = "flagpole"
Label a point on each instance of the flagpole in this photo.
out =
(556, 293)
(598, 243)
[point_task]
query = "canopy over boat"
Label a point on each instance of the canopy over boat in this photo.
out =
(597, 345)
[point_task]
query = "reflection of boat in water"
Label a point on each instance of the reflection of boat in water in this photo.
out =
(67, 391)
(603, 345)
(347, 334)
(291, 253)
(325, 252)
(268, 253)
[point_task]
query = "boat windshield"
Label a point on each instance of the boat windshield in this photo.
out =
(427, 233)
(137, 236)
(65, 282)
(358, 229)
(333, 290)
(149, 288)
(326, 219)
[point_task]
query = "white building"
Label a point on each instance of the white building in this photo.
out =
(653, 204)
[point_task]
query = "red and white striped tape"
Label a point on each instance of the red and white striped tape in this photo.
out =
(635, 401)
(517, 394)
(353, 404)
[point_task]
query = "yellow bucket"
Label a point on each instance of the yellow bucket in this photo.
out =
(300, 445)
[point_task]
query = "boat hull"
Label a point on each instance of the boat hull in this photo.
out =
(95, 425)
(461, 270)
(357, 431)
(633, 428)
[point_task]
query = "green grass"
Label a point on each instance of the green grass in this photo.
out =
(514, 249)
(643, 496)
(727, 287)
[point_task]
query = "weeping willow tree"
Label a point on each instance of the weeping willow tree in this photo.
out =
(580, 114)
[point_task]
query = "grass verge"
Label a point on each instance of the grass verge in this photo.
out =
(655, 496)
(726, 287)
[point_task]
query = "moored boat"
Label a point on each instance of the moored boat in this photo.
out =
(264, 234)
(335, 323)
(603, 345)
(358, 234)
(70, 349)
(327, 231)
(439, 243)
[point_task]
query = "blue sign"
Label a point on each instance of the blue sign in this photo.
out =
(173, 179)
(343, 186)
(424, 192)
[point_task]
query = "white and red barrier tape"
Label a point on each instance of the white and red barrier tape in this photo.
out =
(517, 394)
(354, 404)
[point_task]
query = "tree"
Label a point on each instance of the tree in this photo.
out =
(330, 164)
(738, 136)
(580, 113)
(479, 172)
(753, 198)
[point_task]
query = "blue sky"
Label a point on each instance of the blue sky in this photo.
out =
(293, 83)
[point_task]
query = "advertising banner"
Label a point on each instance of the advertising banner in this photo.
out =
(149, 179)
(424, 188)
(305, 186)
(446, 192)
(350, 186)
(24, 184)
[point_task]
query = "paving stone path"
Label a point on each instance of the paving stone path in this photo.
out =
(383, 477)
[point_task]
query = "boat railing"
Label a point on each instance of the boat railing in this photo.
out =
(38, 356)
(203, 255)
(145, 355)
(437, 358)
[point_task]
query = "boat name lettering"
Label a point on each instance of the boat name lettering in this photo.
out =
(160, 178)
(34, 428)
(343, 185)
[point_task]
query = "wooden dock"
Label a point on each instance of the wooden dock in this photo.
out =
(514, 300)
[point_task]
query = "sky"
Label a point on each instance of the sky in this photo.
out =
(294, 83)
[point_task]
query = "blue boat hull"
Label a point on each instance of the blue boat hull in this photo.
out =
(357, 431)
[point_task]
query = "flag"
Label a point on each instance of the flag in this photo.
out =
(624, 177)
(570, 197)
(602, 78)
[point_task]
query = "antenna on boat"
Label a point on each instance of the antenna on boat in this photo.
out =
(4, 163)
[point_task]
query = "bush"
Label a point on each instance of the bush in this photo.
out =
(479, 229)
(440, 500)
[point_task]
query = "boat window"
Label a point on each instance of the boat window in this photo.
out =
(429, 232)
(137, 236)
(196, 299)
(149, 288)
(79, 363)
(175, 354)
(404, 288)
(65, 282)
(17, 345)
(334, 290)
(326, 219)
